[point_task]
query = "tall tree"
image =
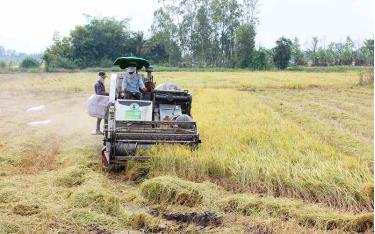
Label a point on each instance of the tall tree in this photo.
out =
(365, 54)
(167, 30)
(100, 39)
(282, 53)
(59, 54)
(226, 18)
(155, 49)
(298, 57)
(260, 60)
(313, 52)
(369, 47)
(206, 30)
(245, 43)
(251, 11)
(331, 54)
(201, 37)
(135, 43)
(347, 55)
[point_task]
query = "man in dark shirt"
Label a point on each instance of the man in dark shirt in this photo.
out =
(99, 85)
(100, 90)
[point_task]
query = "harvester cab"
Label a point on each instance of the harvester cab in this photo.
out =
(162, 116)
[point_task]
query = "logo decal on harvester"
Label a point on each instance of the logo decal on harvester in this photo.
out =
(134, 113)
(134, 106)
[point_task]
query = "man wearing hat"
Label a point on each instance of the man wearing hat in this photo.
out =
(100, 90)
(149, 80)
(149, 71)
(99, 85)
(132, 84)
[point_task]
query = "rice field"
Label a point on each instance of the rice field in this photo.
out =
(281, 152)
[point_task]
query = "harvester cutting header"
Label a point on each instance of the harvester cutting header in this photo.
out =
(138, 115)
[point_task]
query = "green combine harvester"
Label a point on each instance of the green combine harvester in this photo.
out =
(162, 116)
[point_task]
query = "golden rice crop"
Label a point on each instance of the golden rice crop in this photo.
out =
(293, 138)
(247, 143)
(165, 189)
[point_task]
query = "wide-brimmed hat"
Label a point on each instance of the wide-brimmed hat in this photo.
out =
(149, 69)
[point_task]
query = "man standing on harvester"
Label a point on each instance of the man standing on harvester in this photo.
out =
(99, 90)
(132, 84)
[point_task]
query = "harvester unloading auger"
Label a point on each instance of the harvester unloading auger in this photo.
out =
(162, 116)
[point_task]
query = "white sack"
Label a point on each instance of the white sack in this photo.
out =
(168, 87)
(37, 108)
(97, 105)
(39, 123)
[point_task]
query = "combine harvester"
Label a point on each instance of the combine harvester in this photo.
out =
(162, 116)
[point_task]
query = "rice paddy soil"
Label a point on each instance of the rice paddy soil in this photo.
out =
(281, 152)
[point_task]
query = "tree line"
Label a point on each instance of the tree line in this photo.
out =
(199, 33)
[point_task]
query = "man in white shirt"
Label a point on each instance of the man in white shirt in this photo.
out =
(132, 84)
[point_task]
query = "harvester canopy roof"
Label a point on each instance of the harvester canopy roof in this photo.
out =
(125, 62)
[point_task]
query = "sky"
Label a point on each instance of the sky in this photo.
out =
(28, 25)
